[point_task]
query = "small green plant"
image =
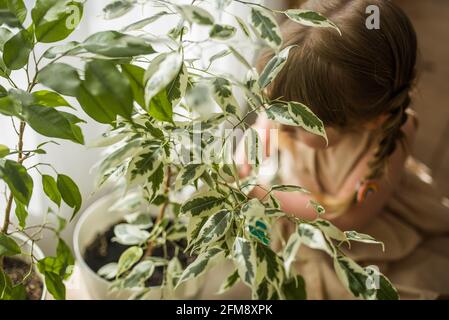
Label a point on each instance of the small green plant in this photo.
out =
(38, 110)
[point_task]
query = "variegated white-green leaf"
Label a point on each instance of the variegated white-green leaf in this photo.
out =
(144, 22)
(204, 261)
(240, 58)
(273, 67)
(290, 250)
(319, 209)
(116, 158)
(215, 228)
(330, 230)
(108, 271)
(131, 202)
(254, 147)
(222, 92)
(139, 274)
(176, 89)
(189, 174)
(174, 271)
(222, 31)
(160, 73)
(310, 18)
(266, 27)
(144, 165)
(195, 14)
(253, 208)
(314, 238)
(270, 264)
(128, 234)
(244, 257)
(140, 220)
(306, 119)
(229, 282)
(289, 188)
(384, 289)
(279, 112)
(154, 183)
(194, 227)
(117, 8)
(107, 139)
(354, 277)
(128, 258)
(361, 237)
(177, 232)
(219, 55)
(203, 204)
(243, 26)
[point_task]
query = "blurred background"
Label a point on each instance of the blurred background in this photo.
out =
(430, 18)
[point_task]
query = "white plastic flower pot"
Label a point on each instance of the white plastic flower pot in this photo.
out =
(26, 246)
(95, 220)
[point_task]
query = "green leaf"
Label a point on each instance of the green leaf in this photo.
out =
(204, 261)
(4, 151)
(69, 192)
(117, 8)
(50, 99)
(55, 20)
(266, 27)
(144, 22)
(64, 255)
(18, 180)
(51, 189)
(100, 96)
(117, 45)
(160, 107)
(310, 18)
(12, 12)
(244, 257)
(222, 32)
(306, 119)
(55, 285)
(9, 106)
(139, 274)
(71, 84)
(229, 282)
(128, 258)
(135, 75)
(273, 67)
(52, 123)
(8, 247)
(294, 288)
(189, 174)
(203, 204)
(21, 214)
(16, 50)
(195, 14)
(128, 234)
(215, 228)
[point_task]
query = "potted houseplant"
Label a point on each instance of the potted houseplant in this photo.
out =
(180, 193)
(25, 273)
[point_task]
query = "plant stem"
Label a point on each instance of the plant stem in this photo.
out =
(20, 159)
(161, 215)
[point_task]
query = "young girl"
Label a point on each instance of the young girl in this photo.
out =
(359, 85)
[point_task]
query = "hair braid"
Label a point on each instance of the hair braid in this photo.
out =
(391, 132)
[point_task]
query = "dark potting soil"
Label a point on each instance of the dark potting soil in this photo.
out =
(17, 270)
(103, 251)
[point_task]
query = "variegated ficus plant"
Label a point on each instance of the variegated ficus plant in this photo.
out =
(172, 120)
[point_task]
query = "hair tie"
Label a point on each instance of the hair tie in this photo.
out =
(365, 189)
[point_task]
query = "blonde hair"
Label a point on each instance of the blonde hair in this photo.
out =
(351, 79)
